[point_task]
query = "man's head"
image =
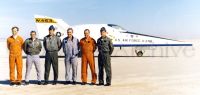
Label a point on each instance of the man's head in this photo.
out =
(33, 34)
(51, 30)
(15, 30)
(69, 32)
(87, 33)
(103, 31)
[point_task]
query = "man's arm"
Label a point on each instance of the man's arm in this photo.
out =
(111, 46)
(44, 43)
(59, 44)
(63, 45)
(40, 45)
(22, 42)
(94, 45)
(25, 46)
(78, 44)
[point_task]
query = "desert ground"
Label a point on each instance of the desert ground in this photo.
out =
(163, 71)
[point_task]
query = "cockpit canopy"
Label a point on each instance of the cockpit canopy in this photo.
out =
(116, 27)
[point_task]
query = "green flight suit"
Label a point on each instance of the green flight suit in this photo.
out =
(105, 48)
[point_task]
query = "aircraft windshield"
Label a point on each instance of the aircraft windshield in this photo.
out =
(116, 26)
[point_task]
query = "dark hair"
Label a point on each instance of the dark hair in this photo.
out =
(70, 29)
(103, 29)
(87, 30)
(51, 27)
(15, 27)
(33, 31)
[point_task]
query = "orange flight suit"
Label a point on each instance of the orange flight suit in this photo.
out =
(15, 46)
(88, 48)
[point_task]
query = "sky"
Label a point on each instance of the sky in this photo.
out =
(175, 19)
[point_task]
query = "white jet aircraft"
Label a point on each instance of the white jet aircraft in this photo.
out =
(120, 36)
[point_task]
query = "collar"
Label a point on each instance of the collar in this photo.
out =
(68, 38)
(33, 39)
(103, 37)
(51, 36)
(86, 38)
(15, 37)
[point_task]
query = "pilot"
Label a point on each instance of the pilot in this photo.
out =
(71, 50)
(32, 47)
(15, 46)
(105, 48)
(52, 45)
(88, 47)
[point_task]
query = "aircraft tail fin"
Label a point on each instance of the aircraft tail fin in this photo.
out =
(43, 23)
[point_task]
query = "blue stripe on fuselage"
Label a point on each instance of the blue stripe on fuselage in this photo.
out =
(130, 45)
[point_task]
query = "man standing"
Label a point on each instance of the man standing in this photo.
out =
(32, 47)
(71, 50)
(105, 48)
(15, 45)
(52, 45)
(88, 47)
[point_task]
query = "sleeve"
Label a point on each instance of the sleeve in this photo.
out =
(25, 46)
(40, 45)
(63, 45)
(78, 44)
(79, 48)
(94, 45)
(81, 43)
(97, 44)
(44, 43)
(59, 43)
(111, 46)
(22, 43)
